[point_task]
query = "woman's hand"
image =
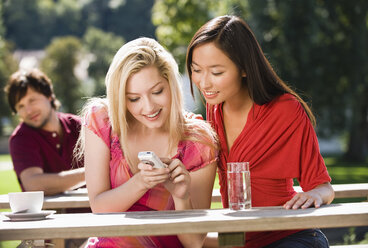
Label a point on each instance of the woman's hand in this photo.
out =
(150, 177)
(322, 194)
(179, 182)
(304, 200)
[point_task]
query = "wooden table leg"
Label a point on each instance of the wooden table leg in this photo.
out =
(57, 243)
(231, 239)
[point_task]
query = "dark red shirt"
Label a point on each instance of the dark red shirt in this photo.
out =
(32, 147)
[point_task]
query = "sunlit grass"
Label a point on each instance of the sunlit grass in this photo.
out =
(5, 158)
(8, 182)
(9, 244)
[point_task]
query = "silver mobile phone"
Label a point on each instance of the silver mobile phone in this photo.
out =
(151, 158)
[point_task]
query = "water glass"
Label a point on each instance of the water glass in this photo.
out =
(239, 190)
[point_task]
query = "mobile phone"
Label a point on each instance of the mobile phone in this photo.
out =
(149, 157)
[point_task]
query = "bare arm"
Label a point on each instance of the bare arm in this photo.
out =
(34, 178)
(322, 194)
(104, 199)
(197, 195)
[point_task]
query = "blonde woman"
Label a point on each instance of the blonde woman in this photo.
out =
(143, 111)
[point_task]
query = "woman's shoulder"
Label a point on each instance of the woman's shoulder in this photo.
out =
(286, 104)
(97, 106)
(96, 112)
(192, 116)
(197, 126)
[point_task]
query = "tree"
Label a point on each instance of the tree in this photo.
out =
(7, 66)
(127, 18)
(33, 24)
(176, 23)
(318, 47)
(102, 46)
(62, 56)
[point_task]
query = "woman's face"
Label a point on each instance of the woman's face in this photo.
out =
(148, 97)
(216, 76)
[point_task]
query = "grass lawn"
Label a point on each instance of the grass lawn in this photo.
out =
(5, 158)
(8, 183)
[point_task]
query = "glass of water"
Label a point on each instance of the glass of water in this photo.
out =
(239, 190)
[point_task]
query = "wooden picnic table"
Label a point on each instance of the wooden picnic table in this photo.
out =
(354, 190)
(63, 226)
(79, 198)
(69, 199)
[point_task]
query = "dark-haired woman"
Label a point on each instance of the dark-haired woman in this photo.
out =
(261, 120)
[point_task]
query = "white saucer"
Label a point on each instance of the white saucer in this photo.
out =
(28, 216)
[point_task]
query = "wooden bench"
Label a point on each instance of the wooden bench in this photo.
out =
(354, 190)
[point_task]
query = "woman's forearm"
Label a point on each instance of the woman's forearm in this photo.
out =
(119, 199)
(326, 192)
(188, 240)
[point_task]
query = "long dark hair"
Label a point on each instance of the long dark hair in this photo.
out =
(234, 37)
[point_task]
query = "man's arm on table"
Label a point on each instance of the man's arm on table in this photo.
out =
(33, 178)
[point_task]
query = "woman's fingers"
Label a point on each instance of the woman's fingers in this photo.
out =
(304, 200)
(152, 176)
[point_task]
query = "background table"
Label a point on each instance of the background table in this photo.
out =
(189, 221)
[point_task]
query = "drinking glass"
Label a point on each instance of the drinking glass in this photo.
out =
(239, 190)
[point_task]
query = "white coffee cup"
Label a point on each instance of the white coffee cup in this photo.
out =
(26, 202)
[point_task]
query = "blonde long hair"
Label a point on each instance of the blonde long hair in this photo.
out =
(130, 59)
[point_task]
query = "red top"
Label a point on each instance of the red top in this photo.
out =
(280, 144)
(32, 147)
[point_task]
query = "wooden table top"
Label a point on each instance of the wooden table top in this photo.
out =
(69, 199)
(79, 198)
(353, 190)
(189, 221)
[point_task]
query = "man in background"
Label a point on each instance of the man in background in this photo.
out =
(41, 146)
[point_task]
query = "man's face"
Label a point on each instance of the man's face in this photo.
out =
(34, 109)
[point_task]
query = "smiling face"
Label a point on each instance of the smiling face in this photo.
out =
(34, 109)
(148, 97)
(215, 75)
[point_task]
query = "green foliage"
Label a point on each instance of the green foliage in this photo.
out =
(2, 27)
(176, 24)
(7, 66)
(102, 46)
(129, 18)
(62, 56)
(32, 24)
(319, 47)
(350, 238)
(44, 20)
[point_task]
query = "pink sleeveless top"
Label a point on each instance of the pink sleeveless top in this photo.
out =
(194, 156)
